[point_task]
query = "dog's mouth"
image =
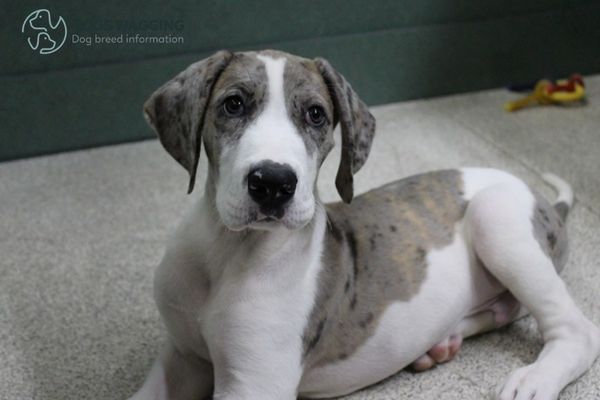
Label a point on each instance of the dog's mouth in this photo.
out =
(267, 218)
(262, 221)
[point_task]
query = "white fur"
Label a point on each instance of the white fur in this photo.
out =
(272, 136)
(499, 218)
(250, 325)
(253, 324)
(155, 387)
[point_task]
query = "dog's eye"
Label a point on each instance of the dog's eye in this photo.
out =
(234, 106)
(315, 116)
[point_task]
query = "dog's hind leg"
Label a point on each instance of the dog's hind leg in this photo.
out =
(174, 377)
(499, 312)
(499, 224)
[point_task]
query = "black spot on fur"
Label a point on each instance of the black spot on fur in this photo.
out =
(365, 322)
(335, 231)
(343, 356)
(347, 285)
(393, 228)
(315, 339)
(551, 239)
(351, 239)
(420, 253)
(353, 302)
(562, 209)
(373, 242)
(544, 214)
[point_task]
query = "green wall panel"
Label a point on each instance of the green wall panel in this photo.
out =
(208, 25)
(82, 99)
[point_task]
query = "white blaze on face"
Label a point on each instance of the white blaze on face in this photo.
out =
(272, 136)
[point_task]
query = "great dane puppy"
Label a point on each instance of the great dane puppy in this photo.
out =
(267, 293)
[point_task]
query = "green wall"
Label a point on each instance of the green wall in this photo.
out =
(84, 96)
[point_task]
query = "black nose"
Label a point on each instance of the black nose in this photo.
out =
(271, 185)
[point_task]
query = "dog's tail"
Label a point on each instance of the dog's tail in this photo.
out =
(564, 201)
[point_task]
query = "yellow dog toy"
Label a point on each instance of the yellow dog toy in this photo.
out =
(546, 92)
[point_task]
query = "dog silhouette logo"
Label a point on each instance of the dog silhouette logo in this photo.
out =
(43, 36)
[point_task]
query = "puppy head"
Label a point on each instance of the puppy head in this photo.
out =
(266, 120)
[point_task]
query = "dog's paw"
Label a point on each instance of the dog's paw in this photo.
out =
(527, 383)
(442, 352)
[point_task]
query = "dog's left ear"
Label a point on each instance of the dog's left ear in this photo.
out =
(358, 127)
(176, 110)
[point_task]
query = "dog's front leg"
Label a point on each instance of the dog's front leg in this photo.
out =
(175, 377)
(260, 373)
(255, 385)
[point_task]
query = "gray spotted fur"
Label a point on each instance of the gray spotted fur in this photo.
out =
(305, 87)
(374, 254)
(550, 231)
(246, 77)
(176, 110)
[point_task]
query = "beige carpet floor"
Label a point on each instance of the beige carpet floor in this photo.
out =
(80, 234)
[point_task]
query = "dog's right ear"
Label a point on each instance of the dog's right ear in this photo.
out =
(176, 110)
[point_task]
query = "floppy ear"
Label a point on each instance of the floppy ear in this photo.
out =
(357, 123)
(176, 110)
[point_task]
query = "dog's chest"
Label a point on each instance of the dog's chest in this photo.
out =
(248, 316)
(252, 300)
